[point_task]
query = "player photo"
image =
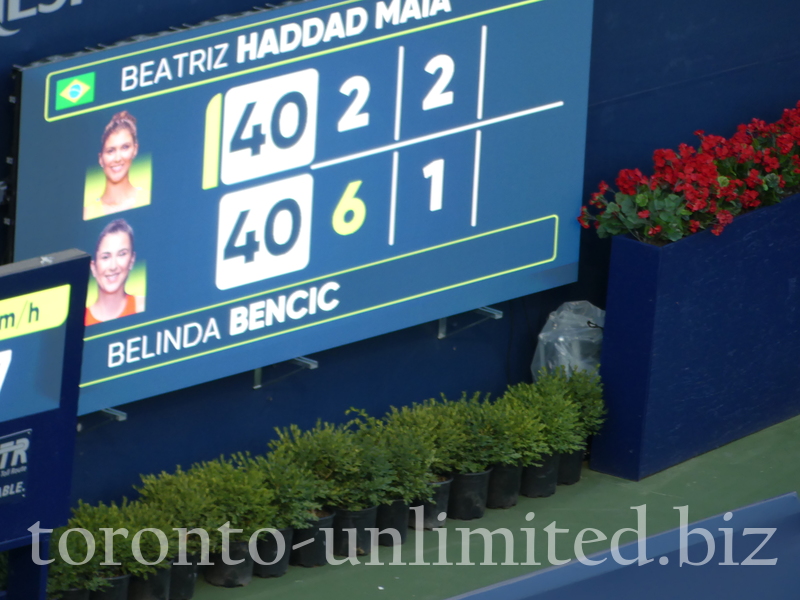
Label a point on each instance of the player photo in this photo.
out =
(122, 179)
(118, 282)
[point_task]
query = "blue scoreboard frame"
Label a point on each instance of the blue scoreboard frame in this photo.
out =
(41, 334)
(306, 177)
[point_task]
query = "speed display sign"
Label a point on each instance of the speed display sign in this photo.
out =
(283, 182)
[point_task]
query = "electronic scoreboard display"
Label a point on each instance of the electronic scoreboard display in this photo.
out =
(278, 183)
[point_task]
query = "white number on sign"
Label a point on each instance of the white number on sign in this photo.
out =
(5, 363)
(438, 96)
(353, 118)
(435, 172)
(269, 126)
(264, 231)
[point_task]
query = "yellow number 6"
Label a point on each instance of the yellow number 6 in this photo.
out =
(350, 206)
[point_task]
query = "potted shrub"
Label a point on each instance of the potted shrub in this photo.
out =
(548, 398)
(410, 452)
(150, 581)
(518, 441)
(293, 498)
(353, 476)
(238, 501)
(472, 453)
(93, 518)
(319, 453)
(423, 421)
(134, 517)
(668, 363)
(66, 581)
(586, 390)
(186, 501)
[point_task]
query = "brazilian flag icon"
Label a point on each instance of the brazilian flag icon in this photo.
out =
(74, 91)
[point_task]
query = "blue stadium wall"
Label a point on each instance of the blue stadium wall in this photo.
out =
(659, 72)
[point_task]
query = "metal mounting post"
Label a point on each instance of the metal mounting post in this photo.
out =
(303, 362)
(487, 312)
(116, 415)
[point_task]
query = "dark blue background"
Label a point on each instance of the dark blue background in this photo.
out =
(659, 72)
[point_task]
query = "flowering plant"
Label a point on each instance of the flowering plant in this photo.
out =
(705, 187)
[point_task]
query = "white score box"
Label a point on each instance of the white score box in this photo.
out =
(264, 231)
(269, 126)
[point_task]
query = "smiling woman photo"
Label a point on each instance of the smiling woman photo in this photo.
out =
(113, 260)
(119, 146)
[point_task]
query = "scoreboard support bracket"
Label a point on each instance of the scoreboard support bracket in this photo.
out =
(487, 312)
(303, 362)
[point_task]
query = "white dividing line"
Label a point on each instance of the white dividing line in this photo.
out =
(436, 136)
(393, 203)
(476, 178)
(482, 71)
(398, 107)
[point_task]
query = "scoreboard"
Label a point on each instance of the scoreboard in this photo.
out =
(286, 181)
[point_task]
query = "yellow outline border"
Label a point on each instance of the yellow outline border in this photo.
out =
(52, 119)
(555, 217)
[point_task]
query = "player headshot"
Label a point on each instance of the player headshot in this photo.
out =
(119, 147)
(113, 261)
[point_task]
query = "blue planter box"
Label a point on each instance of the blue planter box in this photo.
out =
(701, 343)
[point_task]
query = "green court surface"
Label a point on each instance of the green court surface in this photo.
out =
(756, 468)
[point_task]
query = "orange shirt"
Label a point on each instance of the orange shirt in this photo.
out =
(130, 309)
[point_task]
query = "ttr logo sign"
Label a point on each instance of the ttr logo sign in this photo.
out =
(14, 453)
(12, 10)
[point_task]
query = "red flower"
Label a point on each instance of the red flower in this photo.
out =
(653, 231)
(628, 179)
(694, 226)
(643, 214)
(724, 217)
(597, 200)
(583, 218)
(785, 143)
(753, 180)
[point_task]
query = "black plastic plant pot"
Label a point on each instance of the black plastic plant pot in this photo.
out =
(468, 495)
(569, 467)
(153, 587)
(540, 482)
(268, 552)
(311, 553)
(74, 595)
(183, 579)
(504, 485)
(117, 590)
(350, 535)
(233, 575)
(432, 510)
(393, 517)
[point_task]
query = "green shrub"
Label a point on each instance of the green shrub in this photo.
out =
(294, 488)
(411, 453)
(550, 399)
(350, 472)
(132, 517)
(587, 390)
(237, 496)
(517, 432)
(473, 449)
(181, 496)
(62, 576)
(424, 420)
